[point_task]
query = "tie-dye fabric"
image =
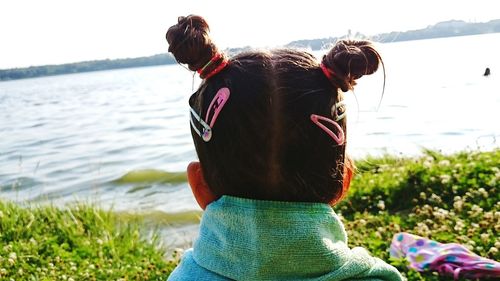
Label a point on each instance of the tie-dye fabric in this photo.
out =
(448, 259)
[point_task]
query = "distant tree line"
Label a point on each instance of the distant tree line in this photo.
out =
(442, 29)
(46, 70)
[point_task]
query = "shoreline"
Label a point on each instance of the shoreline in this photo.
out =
(18, 73)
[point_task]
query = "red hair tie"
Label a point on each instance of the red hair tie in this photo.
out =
(328, 73)
(220, 67)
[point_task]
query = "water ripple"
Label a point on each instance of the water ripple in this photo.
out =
(70, 137)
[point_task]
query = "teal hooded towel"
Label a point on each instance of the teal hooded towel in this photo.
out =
(244, 239)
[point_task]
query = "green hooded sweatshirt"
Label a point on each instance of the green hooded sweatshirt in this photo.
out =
(244, 239)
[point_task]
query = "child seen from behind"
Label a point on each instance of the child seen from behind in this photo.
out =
(269, 129)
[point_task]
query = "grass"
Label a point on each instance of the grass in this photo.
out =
(448, 198)
(78, 243)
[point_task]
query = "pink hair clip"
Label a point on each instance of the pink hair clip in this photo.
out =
(339, 138)
(216, 105)
(213, 111)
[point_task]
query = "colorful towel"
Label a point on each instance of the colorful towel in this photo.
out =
(448, 259)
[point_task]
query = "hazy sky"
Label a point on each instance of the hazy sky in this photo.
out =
(35, 32)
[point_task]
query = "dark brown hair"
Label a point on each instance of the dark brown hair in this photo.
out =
(264, 145)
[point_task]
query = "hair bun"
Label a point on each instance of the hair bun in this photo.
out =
(189, 42)
(350, 60)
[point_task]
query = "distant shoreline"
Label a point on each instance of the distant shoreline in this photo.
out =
(445, 29)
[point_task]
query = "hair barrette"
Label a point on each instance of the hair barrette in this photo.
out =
(335, 110)
(213, 112)
(338, 137)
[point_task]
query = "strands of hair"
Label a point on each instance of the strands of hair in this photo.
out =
(190, 44)
(264, 144)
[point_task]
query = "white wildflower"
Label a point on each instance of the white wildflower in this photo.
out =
(381, 204)
(428, 162)
(423, 195)
(445, 179)
(423, 229)
(440, 214)
(493, 251)
(444, 162)
(483, 192)
(459, 225)
(435, 198)
(475, 211)
(458, 205)
(485, 237)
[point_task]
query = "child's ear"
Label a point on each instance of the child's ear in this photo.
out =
(199, 187)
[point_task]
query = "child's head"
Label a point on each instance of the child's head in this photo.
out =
(275, 125)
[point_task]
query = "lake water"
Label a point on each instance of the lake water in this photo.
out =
(69, 138)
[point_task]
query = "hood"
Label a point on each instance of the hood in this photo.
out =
(248, 239)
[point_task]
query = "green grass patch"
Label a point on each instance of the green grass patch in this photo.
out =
(77, 243)
(448, 198)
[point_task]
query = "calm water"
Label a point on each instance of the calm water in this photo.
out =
(69, 137)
